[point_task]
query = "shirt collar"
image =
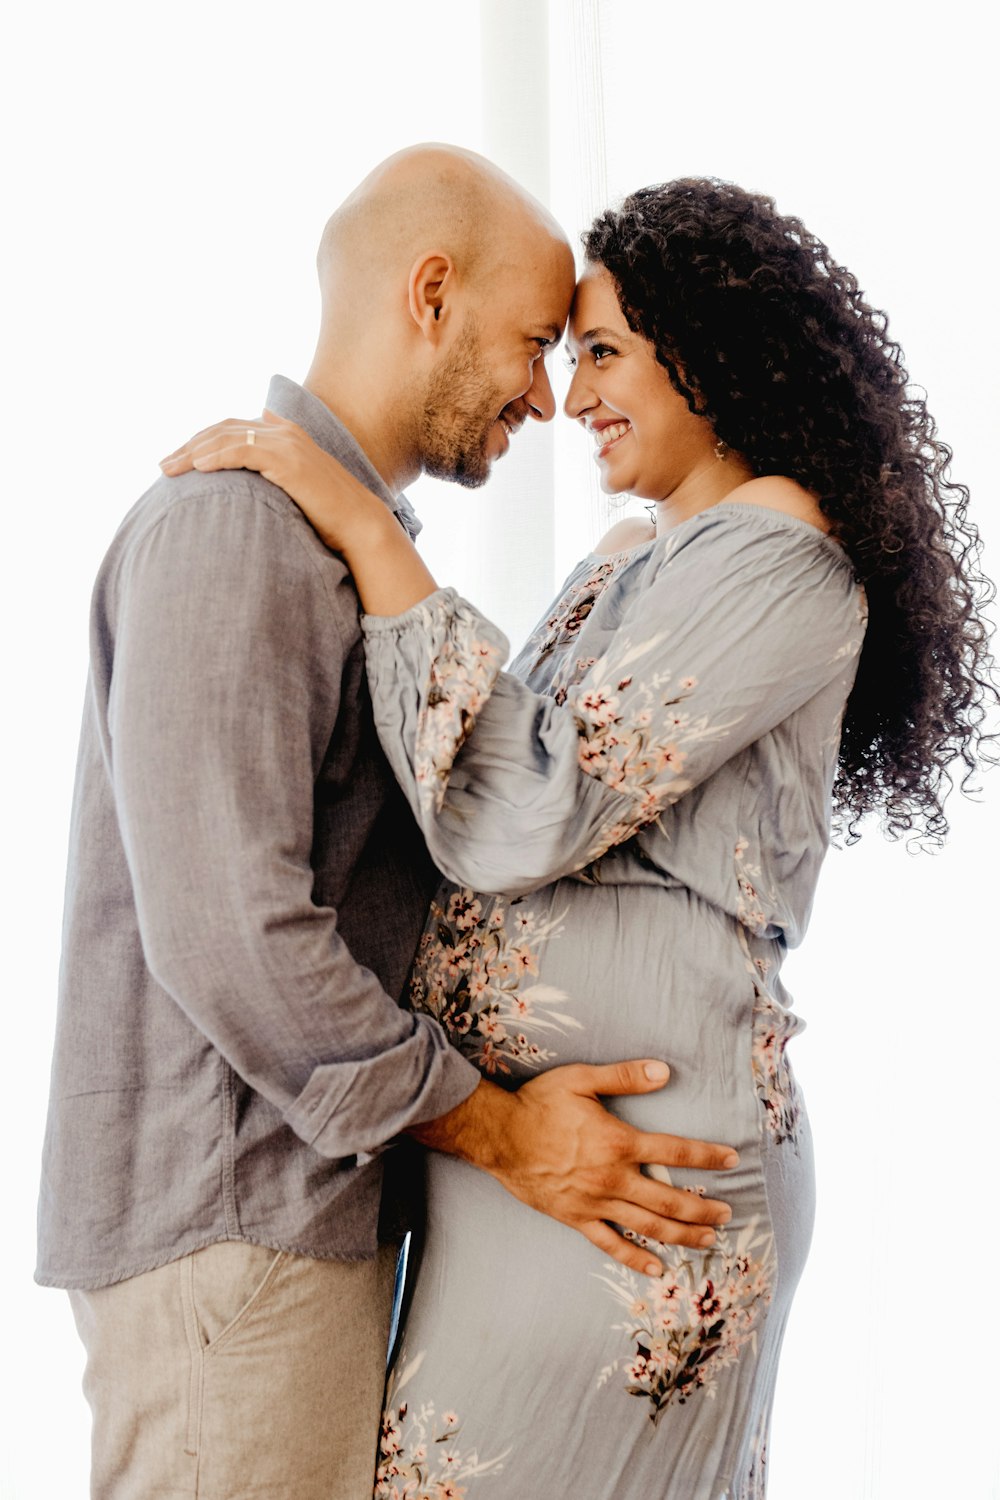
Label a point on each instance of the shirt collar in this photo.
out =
(295, 404)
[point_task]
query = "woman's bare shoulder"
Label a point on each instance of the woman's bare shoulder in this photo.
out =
(774, 492)
(631, 532)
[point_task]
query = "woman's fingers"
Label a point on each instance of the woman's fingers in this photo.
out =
(207, 434)
(234, 432)
(235, 455)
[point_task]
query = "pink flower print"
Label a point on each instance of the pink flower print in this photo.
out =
(525, 962)
(491, 1025)
(592, 756)
(491, 1060)
(687, 683)
(463, 669)
(600, 706)
(772, 1029)
(464, 910)
(682, 1340)
(708, 1302)
(419, 1461)
(672, 758)
(479, 983)
(470, 973)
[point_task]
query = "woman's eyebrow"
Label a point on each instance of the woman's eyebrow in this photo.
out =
(598, 333)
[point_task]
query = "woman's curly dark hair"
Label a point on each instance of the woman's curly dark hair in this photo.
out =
(768, 338)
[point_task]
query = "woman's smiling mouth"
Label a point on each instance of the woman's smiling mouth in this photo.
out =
(607, 434)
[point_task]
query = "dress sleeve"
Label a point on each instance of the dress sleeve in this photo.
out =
(739, 623)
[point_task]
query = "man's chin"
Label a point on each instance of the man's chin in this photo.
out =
(468, 471)
(471, 479)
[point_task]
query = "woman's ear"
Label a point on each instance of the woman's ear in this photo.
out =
(429, 290)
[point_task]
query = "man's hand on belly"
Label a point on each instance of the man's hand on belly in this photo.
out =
(553, 1145)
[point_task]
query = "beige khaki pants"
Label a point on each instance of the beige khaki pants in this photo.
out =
(238, 1373)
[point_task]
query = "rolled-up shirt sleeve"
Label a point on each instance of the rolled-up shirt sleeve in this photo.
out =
(225, 693)
(737, 627)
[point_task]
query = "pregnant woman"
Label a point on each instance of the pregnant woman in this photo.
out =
(633, 817)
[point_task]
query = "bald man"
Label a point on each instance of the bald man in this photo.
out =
(246, 891)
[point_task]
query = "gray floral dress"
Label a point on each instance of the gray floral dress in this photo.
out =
(632, 821)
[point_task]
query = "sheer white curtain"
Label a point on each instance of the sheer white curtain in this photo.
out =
(167, 175)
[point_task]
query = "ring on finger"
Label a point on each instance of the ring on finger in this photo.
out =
(251, 437)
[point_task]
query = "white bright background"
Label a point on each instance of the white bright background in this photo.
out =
(167, 175)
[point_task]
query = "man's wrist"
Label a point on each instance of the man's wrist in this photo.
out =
(474, 1130)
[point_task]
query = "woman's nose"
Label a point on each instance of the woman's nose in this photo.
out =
(579, 397)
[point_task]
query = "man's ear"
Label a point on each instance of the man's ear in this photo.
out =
(430, 290)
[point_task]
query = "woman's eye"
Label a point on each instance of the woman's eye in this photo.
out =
(600, 352)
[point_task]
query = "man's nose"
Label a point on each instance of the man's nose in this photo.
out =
(541, 401)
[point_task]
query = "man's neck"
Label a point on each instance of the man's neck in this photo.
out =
(367, 413)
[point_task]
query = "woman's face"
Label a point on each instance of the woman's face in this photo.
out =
(647, 442)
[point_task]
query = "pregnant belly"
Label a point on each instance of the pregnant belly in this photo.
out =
(578, 973)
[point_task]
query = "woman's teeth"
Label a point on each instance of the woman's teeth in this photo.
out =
(605, 436)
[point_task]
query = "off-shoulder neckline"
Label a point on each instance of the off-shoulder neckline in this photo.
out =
(745, 507)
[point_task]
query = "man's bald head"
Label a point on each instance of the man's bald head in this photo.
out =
(443, 283)
(430, 199)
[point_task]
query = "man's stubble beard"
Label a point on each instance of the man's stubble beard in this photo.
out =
(460, 407)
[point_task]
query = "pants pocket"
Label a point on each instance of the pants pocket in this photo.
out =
(222, 1287)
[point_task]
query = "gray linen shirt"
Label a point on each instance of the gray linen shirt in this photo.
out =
(245, 892)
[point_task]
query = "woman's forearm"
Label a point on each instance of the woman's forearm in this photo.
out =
(389, 573)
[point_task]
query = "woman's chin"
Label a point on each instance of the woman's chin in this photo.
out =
(611, 486)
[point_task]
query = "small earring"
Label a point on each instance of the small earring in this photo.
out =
(721, 449)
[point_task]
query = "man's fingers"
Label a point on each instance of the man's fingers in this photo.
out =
(667, 1229)
(620, 1249)
(640, 1077)
(670, 1203)
(679, 1151)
